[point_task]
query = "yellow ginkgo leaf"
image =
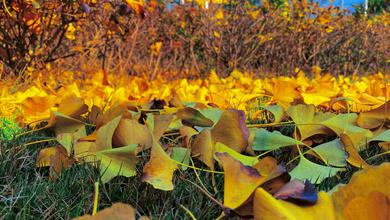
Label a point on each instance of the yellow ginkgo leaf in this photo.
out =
(240, 181)
(374, 118)
(118, 211)
(267, 207)
(160, 168)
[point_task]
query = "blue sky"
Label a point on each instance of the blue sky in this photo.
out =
(348, 4)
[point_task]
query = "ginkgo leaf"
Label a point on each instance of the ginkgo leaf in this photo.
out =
(284, 91)
(314, 98)
(193, 117)
(187, 133)
(83, 151)
(72, 106)
(375, 205)
(266, 207)
(277, 175)
(159, 169)
(214, 114)
(54, 157)
(353, 155)
(63, 123)
(161, 124)
(67, 139)
(265, 140)
(346, 124)
(203, 147)
(118, 211)
(38, 107)
(117, 162)
(313, 172)
(231, 130)
(374, 118)
(332, 152)
(308, 121)
(298, 191)
(114, 112)
(130, 131)
(363, 184)
(105, 135)
(246, 160)
(383, 136)
(277, 112)
(240, 181)
(181, 155)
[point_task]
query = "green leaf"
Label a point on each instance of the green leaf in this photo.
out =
(315, 173)
(67, 139)
(246, 160)
(384, 136)
(181, 155)
(212, 113)
(265, 140)
(277, 111)
(333, 153)
(346, 124)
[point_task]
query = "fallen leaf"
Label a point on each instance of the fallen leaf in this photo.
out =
(117, 162)
(181, 155)
(265, 140)
(240, 181)
(308, 121)
(118, 211)
(159, 170)
(231, 130)
(193, 117)
(129, 131)
(266, 207)
(332, 153)
(375, 117)
(315, 173)
(353, 155)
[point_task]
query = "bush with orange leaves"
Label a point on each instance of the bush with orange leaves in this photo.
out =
(138, 38)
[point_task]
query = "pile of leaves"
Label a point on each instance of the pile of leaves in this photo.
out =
(111, 126)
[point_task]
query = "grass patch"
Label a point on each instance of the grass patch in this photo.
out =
(26, 192)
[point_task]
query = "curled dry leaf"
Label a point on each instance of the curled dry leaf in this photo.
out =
(54, 157)
(374, 118)
(203, 147)
(353, 155)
